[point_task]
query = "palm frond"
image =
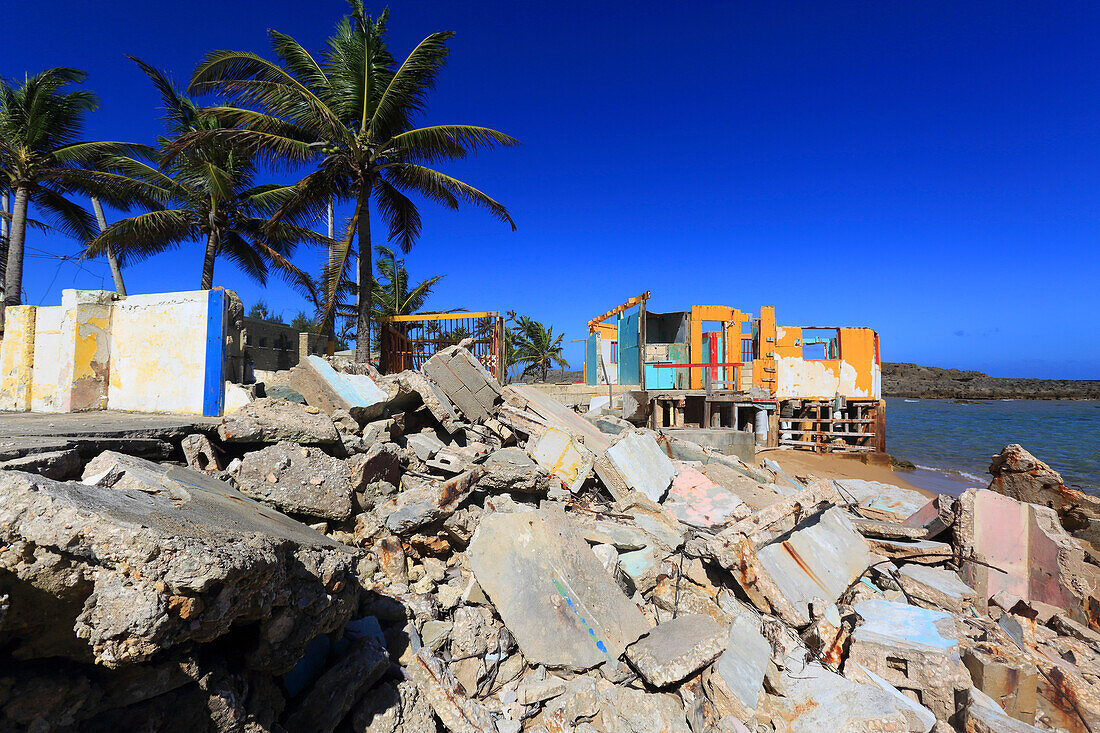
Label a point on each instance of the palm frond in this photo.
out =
(431, 183)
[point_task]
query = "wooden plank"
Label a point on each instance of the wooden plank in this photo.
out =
(436, 317)
(616, 311)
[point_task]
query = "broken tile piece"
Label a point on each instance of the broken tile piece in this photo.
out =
(677, 649)
(551, 591)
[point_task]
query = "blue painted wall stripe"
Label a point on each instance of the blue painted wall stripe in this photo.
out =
(214, 383)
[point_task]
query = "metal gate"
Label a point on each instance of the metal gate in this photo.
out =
(409, 341)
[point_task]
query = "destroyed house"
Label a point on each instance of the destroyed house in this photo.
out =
(711, 366)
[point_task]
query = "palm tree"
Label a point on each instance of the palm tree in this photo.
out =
(355, 107)
(206, 194)
(533, 345)
(43, 160)
(392, 294)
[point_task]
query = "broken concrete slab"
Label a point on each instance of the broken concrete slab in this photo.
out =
(877, 500)
(781, 568)
(551, 591)
(58, 465)
(232, 562)
(920, 717)
(637, 463)
(200, 453)
(736, 680)
(425, 501)
(271, 421)
(913, 551)
(551, 413)
(424, 444)
(298, 479)
(698, 501)
(564, 456)
(676, 649)
(625, 710)
(914, 649)
(934, 517)
(381, 462)
(329, 390)
(1041, 562)
(936, 588)
(465, 382)
(818, 700)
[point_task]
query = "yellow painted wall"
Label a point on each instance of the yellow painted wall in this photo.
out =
(855, 375)
(17, 358)
(85, 350)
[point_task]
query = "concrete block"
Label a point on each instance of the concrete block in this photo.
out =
(1041, 561)
(423, 445)
(1007, 676)
(936, 588)
(919, 551)
(640, 465)
(699, 502)
(551, 591)
(57, 465)
(914, 649)
(422, 501)
(677, 649)
(983, 715)
(465, 382)
(271, 421)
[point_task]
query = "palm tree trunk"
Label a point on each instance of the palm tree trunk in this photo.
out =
(208, 260)
(13, 276)
(5, 228)
(116, 271)
(362, 325)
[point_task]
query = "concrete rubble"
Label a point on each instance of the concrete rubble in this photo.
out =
(428, 551)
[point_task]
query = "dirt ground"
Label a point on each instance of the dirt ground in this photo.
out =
(826, 465)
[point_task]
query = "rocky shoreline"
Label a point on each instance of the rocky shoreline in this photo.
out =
(911, 380)
(428, 552)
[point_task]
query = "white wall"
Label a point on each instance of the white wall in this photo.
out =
(158, 353)
(45, 393)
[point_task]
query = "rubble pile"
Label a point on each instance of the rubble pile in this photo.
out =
(429, 551)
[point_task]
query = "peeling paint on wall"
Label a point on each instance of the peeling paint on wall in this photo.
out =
(144, 353)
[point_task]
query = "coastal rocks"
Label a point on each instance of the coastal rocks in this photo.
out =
(299, 480)
(271, 421)
(1022, 476)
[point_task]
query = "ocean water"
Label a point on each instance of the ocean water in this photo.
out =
(952, 442)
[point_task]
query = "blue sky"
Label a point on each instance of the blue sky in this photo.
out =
(929, 169)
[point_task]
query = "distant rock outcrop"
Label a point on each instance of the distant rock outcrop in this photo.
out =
(910, 380)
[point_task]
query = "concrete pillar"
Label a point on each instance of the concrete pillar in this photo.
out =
(17, 358)
(85, 350)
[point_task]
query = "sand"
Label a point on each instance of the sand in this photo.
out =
(827, 465)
